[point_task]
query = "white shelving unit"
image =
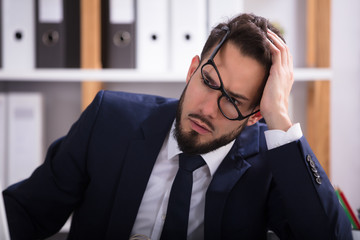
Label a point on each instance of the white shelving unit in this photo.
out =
(129, 76)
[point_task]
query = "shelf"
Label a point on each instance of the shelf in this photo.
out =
(116, 75)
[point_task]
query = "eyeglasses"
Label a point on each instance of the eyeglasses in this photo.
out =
(211, 77)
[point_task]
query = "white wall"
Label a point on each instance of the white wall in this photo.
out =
(291, 15)
(345, 98)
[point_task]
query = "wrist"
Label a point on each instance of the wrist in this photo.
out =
(278, 122)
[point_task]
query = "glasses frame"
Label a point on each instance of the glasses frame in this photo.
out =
(221, 88)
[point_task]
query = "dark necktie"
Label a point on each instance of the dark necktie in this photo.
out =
(177, 215)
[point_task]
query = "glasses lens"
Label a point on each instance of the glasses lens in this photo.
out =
(227, 107)
(210, 76)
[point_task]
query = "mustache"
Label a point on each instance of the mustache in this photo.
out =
(203, 119)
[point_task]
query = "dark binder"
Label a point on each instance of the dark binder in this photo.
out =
(117, 39)
(58, 43)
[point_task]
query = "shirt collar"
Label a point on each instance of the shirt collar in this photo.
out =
(212, 159)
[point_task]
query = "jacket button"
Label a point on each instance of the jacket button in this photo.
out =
(308, 158)
(318, 180)
(314, 170)
(317, 175)
(312, 164)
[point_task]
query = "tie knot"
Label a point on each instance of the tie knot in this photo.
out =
(190, 162)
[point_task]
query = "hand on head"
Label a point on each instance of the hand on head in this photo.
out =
(275, 98)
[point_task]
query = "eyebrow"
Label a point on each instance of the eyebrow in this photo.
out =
(238, 96)
(232, 94)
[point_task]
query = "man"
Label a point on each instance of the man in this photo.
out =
(118, 166)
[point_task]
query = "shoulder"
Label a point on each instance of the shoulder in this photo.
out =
(120, 106)
(131, 101)
(116, 98)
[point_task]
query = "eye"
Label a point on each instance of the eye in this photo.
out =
(237, 103)
(204, 78)
(208, 80)
(234, 100)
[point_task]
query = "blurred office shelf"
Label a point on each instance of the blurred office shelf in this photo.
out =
(130, 75)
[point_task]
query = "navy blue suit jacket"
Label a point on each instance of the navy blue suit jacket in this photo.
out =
(100, 169)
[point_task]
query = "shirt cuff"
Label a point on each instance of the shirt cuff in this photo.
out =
(277, 138)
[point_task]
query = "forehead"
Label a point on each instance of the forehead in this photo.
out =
(239, 73)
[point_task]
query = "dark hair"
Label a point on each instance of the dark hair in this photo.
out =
(248, 32)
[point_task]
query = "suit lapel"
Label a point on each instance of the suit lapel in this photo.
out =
(232, 168)
(136, 171)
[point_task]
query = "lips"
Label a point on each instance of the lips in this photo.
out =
(199, 126)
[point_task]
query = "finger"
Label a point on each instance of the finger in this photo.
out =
(275, 52)
(287, 59)
(291, 65)
(278, 57)
(280, 44)
(276, 36)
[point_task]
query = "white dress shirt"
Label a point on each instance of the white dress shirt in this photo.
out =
(151, 215)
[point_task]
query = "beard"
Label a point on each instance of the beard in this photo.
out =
(189, 142)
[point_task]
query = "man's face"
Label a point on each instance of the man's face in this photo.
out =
(200, 126)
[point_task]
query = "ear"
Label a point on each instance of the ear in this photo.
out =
(193, 66)
(254, 118)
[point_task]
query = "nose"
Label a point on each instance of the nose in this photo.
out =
(209, 106)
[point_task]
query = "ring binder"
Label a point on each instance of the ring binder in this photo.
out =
(3, 135)
(188, 31)
(152, 31)
(118, 33)
(25, 134)
(18, 47)
(4, 229)
(57, 33)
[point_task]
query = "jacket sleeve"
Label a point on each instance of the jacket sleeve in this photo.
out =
(303, 203)
(39, 206)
